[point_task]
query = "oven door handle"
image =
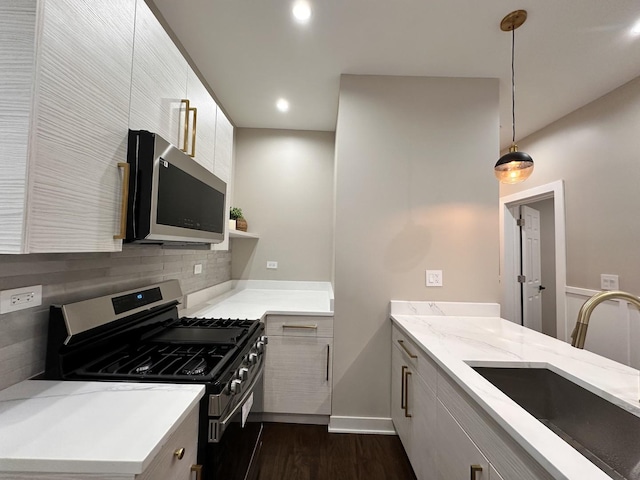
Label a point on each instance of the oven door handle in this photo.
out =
(223, 423)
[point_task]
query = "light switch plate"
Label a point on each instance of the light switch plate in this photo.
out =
(271, 265)
(20, 298)
(434, 278)
(609, 282)
(197, 269)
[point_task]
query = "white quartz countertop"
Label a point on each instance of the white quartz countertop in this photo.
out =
(458, 336)
(89, 427)
(254, 299)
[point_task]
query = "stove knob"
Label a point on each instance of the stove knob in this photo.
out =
(253, 358)
(243, 373)
(264, 339)
(235, 386)
(260, 347)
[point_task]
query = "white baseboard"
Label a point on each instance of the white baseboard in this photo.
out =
(295, 418)
(367, 425)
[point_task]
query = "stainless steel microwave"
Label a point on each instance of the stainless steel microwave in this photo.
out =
(172, 199)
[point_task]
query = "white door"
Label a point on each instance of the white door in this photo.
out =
(531, 286)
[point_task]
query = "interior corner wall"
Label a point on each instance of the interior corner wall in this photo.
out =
(415, 190)
(283, 182)
(595, 151)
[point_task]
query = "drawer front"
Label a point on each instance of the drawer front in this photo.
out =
(299, 326)
(167, 465)
(416, 357)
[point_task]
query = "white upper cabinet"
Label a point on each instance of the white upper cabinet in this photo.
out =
(65, 85)
(223, 164)
(158, 80)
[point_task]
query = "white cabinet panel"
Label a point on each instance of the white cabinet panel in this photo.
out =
(456, 452)
(401, 422)
(80, 128)
(298, 375)
(17, 37)
(424, 437)
(223, 163)
(159, 80)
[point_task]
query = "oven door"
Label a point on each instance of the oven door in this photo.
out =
(235, 453)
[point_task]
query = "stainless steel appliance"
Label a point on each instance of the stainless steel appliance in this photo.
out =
(137, 336)
(171, 199)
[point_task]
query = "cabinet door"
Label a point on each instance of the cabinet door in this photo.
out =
(79, 133)
(424, 439)
(401, 422)
(297, 375)
(223, 163)
(456, 452)
(159, 80)
(200, 99)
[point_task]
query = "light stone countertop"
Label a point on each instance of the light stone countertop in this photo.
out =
(253, 299)
(89, 427)
(458, 335)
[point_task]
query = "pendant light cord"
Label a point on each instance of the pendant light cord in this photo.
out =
(513, 86)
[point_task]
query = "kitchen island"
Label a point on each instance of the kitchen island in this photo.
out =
(106, 430)
(451, 338)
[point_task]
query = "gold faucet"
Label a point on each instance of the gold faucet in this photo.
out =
(579, 333)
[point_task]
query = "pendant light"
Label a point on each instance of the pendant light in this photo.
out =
(515, 166)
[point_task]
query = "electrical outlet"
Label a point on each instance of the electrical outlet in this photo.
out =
(433, 278)
(197, 269)
(20, 298)
(609, 282)
(271, 265)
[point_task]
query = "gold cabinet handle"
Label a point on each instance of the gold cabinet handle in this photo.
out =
(404, 368)
(404, 347)
(406, 394)
(475, 469)
(125, 201)
(328, 356)
(193, 131)
(179, 453)
(308, 327)
(185, 135)
(197, 469)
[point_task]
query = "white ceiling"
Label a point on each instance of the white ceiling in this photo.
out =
(250, 52)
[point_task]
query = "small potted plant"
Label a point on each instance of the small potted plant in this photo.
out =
(237, 221)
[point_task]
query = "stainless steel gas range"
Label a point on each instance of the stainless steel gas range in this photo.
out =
(137, 336)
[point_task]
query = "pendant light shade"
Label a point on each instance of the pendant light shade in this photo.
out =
(515, 166)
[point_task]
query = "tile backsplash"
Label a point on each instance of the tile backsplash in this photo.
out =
(71, 277)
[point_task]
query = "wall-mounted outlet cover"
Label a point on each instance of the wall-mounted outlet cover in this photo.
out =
(434, 278)
(20, 298)
(197, 269)
(609, 282)
(271, 265)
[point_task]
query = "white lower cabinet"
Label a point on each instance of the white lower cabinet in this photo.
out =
(457, 456)
(445, 434)
(297, 378)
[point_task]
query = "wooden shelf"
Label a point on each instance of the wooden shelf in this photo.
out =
(239, 234)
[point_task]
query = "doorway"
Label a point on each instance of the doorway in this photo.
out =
(518, 299)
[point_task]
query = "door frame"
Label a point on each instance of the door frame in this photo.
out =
(510, 251)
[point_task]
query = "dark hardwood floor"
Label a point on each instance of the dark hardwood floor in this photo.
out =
(309, 452)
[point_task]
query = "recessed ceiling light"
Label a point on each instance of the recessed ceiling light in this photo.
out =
(282, 105)
(635, 30)
(301, 11)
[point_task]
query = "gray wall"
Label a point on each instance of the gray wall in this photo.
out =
(284, 185)
(595, 151)
(77, 276)
(547, 264)
(414, 190)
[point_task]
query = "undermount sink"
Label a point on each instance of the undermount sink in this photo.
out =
(602, 432)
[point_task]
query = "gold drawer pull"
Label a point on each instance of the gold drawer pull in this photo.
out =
(308, 327)
(125, 201)
(179, 453)
(197, 469)
(193, 131)
(185, 135)
(411, 355)
(475, 469)
(406, 394)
